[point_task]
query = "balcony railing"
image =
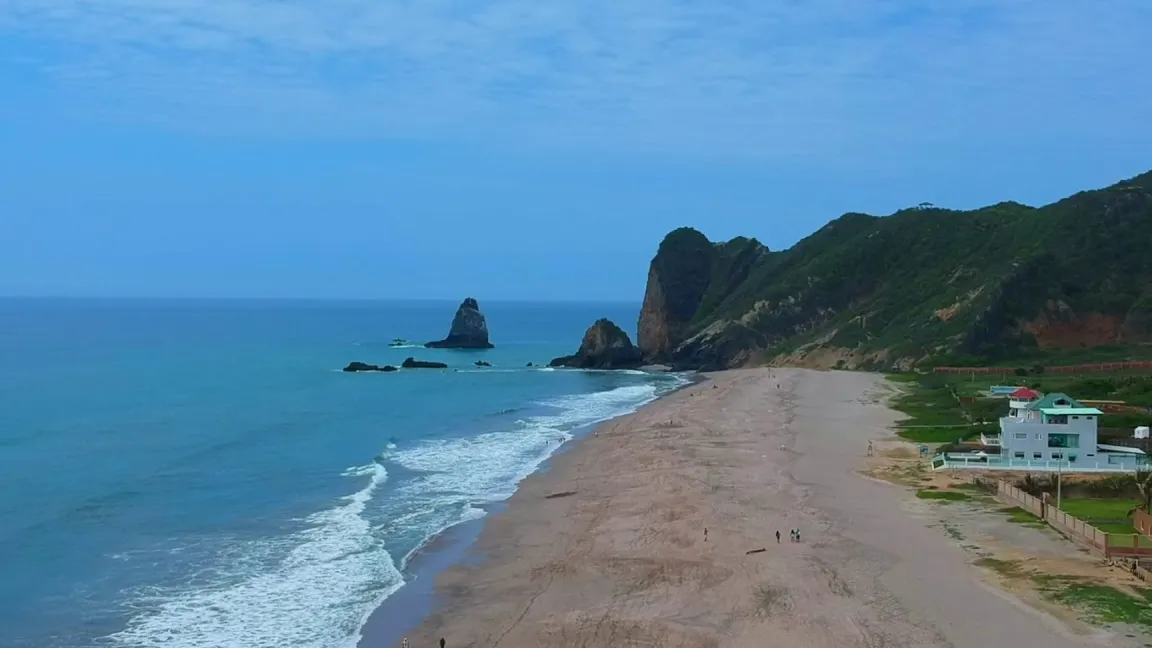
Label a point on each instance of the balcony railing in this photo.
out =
(989, 439)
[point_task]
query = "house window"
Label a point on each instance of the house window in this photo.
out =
(1021, 435)
(1057, 455)
(1077, 418)
(1037, 455)
(1018, 455)
(1038, 436)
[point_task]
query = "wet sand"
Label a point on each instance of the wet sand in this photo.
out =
(607, 548)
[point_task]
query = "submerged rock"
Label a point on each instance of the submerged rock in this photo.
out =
(605, 346)
(412, 363)
(481, 363)
(364, 366)
(469, 329)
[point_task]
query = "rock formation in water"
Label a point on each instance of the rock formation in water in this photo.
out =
(364, 366)
(605, 346)
(469, 329)
(412, 363)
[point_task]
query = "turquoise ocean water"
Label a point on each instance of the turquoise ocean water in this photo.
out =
(201, 474)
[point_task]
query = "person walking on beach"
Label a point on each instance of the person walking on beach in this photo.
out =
(441, 642)
(405, 642)
(705, 534)
(797, 535)
(777, 536)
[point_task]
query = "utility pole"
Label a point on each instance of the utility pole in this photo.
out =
(1059, 482)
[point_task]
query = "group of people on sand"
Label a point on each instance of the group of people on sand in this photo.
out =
(793, 536)
(405, 642)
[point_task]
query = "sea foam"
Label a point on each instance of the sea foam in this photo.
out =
(314, 594)
(315, 588)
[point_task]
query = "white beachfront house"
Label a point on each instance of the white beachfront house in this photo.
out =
(1052, 427)
(1047, 432)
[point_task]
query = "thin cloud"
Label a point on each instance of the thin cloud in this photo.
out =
(748, 77)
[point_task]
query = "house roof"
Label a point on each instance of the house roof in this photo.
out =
(1055, 399)
(1024, 394)
(1075, 411)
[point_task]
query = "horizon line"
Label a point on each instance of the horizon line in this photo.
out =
(309, 299)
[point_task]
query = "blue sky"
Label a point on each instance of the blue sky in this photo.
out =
(525, 149)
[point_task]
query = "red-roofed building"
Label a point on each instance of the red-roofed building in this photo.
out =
(1024, 395)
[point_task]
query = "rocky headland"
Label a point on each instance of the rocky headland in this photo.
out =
(469, 329)
(925, 286)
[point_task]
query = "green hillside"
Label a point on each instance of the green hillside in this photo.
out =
(922, 285)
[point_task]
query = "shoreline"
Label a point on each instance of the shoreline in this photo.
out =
(605, 547)
(416, 600)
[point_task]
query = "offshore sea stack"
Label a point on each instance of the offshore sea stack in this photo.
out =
(605, 346)
(413, 363)
(354, 367)
(469, 329)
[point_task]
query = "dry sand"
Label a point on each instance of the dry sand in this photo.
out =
(607, 548)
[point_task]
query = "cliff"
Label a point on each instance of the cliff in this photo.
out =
(469, 329)
(605, 346)
(921, 285)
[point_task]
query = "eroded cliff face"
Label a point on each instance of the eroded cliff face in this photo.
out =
(678, 277)
(688, 278)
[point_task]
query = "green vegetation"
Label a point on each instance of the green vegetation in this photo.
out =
(926, 285)
(1100, 603)
(1005, 568)
(929, 401)
(946, 496)
(949, 434)
(1090, 510)
(937, 414)
(1017, 515)
(935, 402)
(1108, 515)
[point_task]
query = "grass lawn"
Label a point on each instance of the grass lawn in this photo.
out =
(1110, 527)
(946, 496)
(1099, 509)
(936, 434)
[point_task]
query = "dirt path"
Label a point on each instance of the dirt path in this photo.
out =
(608, 547)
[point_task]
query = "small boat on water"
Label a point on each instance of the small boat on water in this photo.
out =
(398, 342)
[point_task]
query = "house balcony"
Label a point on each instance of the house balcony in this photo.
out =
(989, 439)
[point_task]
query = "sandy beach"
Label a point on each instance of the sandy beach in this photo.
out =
(607, 548)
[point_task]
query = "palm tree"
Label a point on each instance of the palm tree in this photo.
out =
(1143, 478)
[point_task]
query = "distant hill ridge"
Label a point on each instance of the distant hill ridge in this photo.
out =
(922, 285)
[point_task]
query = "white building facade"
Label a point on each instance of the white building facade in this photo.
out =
(1054, 427)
